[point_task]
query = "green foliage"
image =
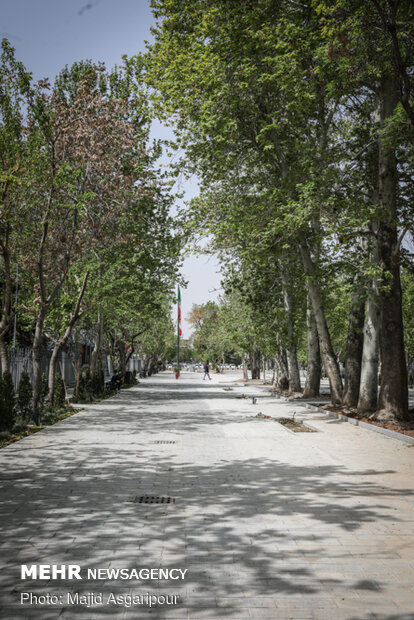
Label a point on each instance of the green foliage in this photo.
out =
(276, 109)
(159, 339)
(24, 396)
(80, 181)
(207, 342)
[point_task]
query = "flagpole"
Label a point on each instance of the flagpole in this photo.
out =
(178, 325)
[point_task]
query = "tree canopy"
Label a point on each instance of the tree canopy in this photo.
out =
(85, 212)
(298, 120)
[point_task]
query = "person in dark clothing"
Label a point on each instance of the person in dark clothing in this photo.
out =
(206, 371)
(116, 381)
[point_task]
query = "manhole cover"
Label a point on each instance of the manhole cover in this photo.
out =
(151, 499)
(163, 441)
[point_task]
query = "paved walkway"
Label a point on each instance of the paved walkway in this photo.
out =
(269, 524)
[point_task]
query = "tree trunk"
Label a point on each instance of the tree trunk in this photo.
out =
(293, 366)
(76, 314)
(328, 355)
(4, 358)
(131, 348)
(96, 353)
(129, 355)
(255, 364)
(5, 312)
(368, 390)
(78, 372)
(273, 379)
(122, 356)
(245, 373)
(52, 371)
(313, 370)
(393, 397)
(45, 301)
(36, 359)
(282, 375)
(97, 371)
(354, 345)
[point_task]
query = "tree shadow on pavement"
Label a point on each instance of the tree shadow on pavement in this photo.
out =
(245, 528)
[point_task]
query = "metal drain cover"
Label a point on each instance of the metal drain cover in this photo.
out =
(151, 499)
(163, 441)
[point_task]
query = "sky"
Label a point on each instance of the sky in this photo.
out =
(49, 34)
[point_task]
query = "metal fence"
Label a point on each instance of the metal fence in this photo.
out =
(134, 364)
(20, 359)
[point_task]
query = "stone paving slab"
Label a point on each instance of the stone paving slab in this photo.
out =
(267, 523)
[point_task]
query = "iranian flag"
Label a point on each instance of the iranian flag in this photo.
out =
(179, 313)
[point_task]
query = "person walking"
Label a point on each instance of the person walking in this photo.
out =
(206, 371)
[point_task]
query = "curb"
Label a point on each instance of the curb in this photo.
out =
(370, 427)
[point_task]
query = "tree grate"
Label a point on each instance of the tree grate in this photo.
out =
(151, 499)
(164, 441)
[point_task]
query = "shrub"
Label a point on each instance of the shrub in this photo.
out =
(44, 391)
(48, 417)
(7, 402)
(97, 382)
(85, 384)
(60, 394)
(24, 396)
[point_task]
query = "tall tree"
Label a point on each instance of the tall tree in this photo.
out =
(266, 94)
(15, 89)
(363, 40)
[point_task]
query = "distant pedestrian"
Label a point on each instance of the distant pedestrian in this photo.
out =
(206, 371)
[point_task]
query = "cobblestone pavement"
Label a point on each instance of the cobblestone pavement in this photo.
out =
(268, 523)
